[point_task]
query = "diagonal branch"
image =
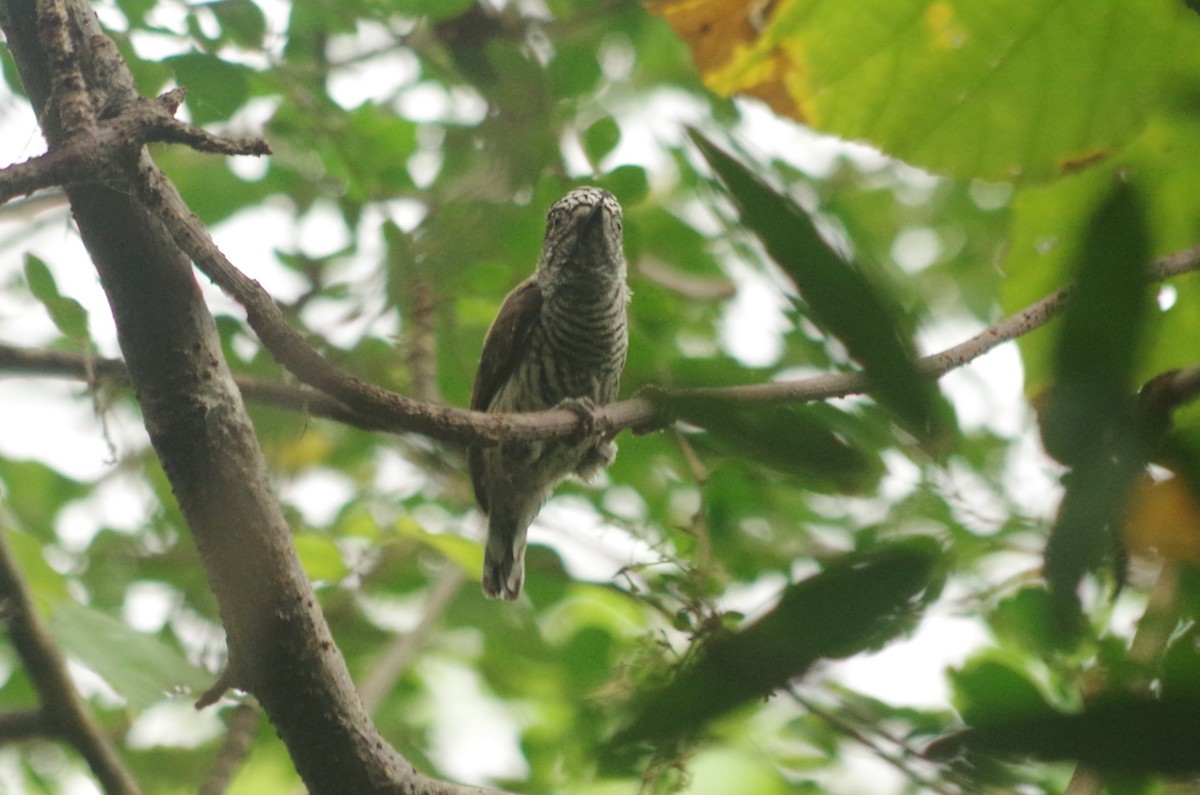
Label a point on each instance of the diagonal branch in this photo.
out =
(63, 713)
(93, 154)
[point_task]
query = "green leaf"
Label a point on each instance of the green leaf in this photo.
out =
(987, 689)
(601, 138)
(141, 668)
(71, 318)
(813, 442)
(242, 21)
(839, 296)
(464, 553)
(36, 493)
(859, 602)
(40, 279)
(215, 88)
(320, 556)
(1000, 90)
(1125, 736)
(48, 587)
(68, 315)
(1089, 420)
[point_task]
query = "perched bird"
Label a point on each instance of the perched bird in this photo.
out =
(559, 341)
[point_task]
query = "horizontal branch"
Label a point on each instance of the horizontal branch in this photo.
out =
(16, 360)
(19, 725)
(467, 426)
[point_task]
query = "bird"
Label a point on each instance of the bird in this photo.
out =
(559, 340)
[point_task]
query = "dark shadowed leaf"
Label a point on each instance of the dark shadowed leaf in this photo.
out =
(1089, 422)
(1129, 736)
(857, 603)
(839, 296)
(799, 440)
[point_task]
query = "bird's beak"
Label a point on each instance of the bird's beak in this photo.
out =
(595, 218)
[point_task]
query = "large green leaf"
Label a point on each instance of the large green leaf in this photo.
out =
(857, 603)
(141, 668)
(997, 89)
(838, 295)
(1088, 422)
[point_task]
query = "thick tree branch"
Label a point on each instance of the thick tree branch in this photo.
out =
(63, 713)
(280, 647)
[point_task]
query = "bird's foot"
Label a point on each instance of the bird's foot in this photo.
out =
(585, 410)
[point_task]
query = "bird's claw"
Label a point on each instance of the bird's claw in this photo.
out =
(585, 410)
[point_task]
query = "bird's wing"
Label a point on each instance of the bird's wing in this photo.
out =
(502, 349)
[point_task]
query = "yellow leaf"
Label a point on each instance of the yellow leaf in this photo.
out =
(734, 51)
(1164, 517)
(310, 448)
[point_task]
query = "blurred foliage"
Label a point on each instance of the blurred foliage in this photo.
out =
(416, 146)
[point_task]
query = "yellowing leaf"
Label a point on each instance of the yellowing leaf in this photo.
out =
(995, 89)
(1164, 517)
(310, 448)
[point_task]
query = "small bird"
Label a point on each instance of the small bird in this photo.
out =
(559, 341)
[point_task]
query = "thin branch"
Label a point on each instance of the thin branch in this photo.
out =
(154, 120)
(235, 748)
(850, 730)
(30, 361)
(396, 657)
(384, 411)
(62, 708)
(422, 342)
(92, 155)
(19, 725)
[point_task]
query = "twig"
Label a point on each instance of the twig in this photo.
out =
(395, 659)
(850, 730)
(63, 710)
(239, 739)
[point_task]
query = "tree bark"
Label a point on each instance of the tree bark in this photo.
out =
(280, 647)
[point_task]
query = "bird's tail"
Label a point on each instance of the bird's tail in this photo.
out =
(504, 559)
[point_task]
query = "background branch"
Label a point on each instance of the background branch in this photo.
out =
(63, 713)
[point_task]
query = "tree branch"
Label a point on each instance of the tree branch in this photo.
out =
(19, 725)
(63, 712)
(93, 155)
(463, 426)
(31, 361)
(153, 120)
(280, 647)
(239, 739)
